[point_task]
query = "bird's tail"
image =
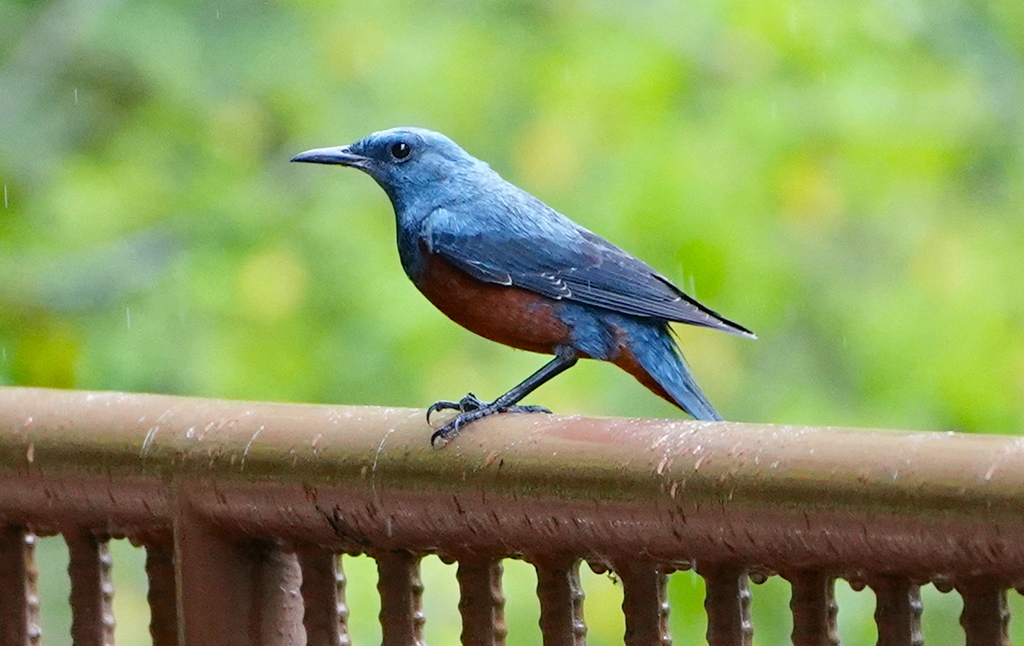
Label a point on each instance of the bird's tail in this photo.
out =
(653, 357)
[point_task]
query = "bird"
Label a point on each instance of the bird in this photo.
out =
(506, 266)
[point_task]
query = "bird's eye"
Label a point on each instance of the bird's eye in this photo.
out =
(401, 150)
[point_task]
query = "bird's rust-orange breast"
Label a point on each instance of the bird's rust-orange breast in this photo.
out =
(511, 315)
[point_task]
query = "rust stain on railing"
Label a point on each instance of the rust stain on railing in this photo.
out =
(249, 503)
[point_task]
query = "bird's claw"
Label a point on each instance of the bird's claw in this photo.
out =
(468, 403)
(471, 408)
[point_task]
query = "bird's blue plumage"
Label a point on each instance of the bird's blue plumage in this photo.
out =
(605, 336)
(454, 208)
(655, 349)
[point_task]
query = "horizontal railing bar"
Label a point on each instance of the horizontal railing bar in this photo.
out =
(365, 479)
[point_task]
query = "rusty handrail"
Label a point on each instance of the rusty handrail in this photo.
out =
(915, 503)
(729, 496)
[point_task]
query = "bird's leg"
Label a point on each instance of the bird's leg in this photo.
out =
(471, 402)
(472, 408)
(467, 403)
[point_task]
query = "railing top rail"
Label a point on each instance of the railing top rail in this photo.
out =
(365, 479)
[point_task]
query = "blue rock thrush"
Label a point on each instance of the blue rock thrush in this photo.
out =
(506, 266)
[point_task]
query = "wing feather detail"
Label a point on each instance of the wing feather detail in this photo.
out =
(573, 264)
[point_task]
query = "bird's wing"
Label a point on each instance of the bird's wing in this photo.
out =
(568, 263)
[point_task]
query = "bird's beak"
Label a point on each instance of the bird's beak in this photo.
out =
(341, 155)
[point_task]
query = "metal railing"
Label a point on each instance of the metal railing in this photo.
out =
(243, 507)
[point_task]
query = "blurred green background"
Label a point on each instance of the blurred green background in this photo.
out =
(843, 178)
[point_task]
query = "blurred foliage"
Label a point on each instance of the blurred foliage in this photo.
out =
(843, 178)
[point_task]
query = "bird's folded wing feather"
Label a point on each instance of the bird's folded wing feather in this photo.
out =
(583, 268)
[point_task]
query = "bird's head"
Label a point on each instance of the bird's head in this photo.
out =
(408, 163)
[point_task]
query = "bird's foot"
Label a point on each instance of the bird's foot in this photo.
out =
(471, 403)
(471, 408)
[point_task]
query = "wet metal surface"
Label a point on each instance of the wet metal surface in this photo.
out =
(814, 609)
(898, 611)
(161, 593)
(325, 615)
(985, 618)
(481, 601)
(644, 603)
(727, 603)
(19, 601)
(561, 601)
(248, 503)
(92, 591)
(401, 598)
